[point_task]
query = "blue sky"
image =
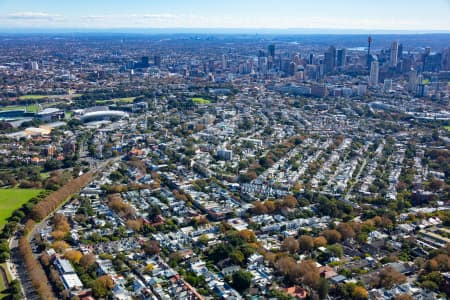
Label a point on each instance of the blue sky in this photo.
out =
(277, 14)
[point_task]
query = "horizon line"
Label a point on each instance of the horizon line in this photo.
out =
(218, 30)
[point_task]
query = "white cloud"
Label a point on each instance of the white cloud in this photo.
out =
(30, 15)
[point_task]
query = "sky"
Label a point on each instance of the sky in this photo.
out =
(411, 15)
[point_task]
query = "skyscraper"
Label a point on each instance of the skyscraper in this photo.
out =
(144, 62)
(224, 62)
(341, 56)
(412, 80)
(400, 52)
(394, 54)
(330, 60)
(374, 71)
(157, 60)
(271, 50)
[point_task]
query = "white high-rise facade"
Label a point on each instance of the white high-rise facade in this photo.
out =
(394, 54)
(374, 71)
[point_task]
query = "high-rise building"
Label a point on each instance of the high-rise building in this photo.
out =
(341, 57)
(394, 54)
(145, 62)
(271, 50)
(157, 60)
(34, 66)
(211, 66)
(412, 80)
(224, 62)
(330, 60)
(374, 71)
(387, 85)
(311, 58)
(400, 52)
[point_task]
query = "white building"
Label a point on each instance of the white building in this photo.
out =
(374, 72)
(394, 54)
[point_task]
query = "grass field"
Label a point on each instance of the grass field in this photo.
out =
(11, 199)
(33, 97)
(447, 128)
(201, 100)
(40, 97)
(117, 100)
(29, 108)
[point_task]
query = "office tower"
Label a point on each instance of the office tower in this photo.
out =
(145, 62)
(412, 80)
(341, 56)
(157, 60)
(400, 52)
(271, 50)
(211, 66)
(446, 59)
(394, 54)
(330, 60)
(374, 71)
(270, 63)
(311, 58)
(224, 62)
(332, 51)
(292, 68)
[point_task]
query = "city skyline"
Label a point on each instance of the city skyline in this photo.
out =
(349, 15)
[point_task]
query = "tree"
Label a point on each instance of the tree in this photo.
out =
(259, 208)
(151, 247)
(241, 280)
(346, 230)
(290, 244)
(306, 243)
(333, 236)
(60, 246)
(237, 257)
(309, 273)
(322, 288)
(248, 235)
(101, 286)
(390, 277)
(404, 297)
(320, 241)
(289, 201)
(335, 250)
(288, 267)
(87, 260)
(73, 255)
(203, 239)
(60, 223)
(134, 225)
(58, 235)
(360, 293)
(435, 184)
